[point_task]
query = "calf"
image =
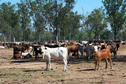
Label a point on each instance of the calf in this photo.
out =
(103, 54)
(57, 52)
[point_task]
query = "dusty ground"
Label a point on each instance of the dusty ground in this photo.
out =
(79, 71)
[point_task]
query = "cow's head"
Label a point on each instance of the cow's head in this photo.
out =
(43, 49)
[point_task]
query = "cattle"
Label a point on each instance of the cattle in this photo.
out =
(26, 55)
(89, 49)
(10, 45)
(26, 45)
(17, 51)
(113, 49)
(51, 45)
(101, 55)
(81, 48)
(123, 42)
(36, 50)
(54, 52)
(1, 44)
(72, 48)
(117, 42)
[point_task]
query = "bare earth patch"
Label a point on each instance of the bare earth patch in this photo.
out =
(79, 71)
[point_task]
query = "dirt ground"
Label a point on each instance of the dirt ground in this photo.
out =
(79, 71)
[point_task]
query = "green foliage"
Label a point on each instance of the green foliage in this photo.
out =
(106, 35)
(9, 23)
(96, 23)
(43, 20)
(80, 35)
(24, 17)
(116, 14)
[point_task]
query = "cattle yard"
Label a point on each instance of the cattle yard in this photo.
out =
(30, 71)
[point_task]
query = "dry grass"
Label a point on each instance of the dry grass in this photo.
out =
(79, 71)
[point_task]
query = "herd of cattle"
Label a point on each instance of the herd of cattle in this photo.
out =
(98, 50)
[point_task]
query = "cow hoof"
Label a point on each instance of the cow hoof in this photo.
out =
(46, 69)
(64, 70)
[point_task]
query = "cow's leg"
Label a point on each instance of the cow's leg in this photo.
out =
(75, 53)
(82, 53)
(49, 60)
(47, 64)
(36, 55)
(115, 53)
(87, 56)
(106, 63)
(33, 53)
(96, 64)
(65, 64)
(110, 61)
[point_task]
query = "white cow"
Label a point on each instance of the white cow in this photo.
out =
(57, 52)
(2, 47)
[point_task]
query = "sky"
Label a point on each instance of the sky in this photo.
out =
(12, 1)
(86, 6)
(81, 6)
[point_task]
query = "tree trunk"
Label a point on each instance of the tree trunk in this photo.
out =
(115, 33)
(64, 34)
(14, 39)
(69, 33)
(9, 37)
(23, 35)
(89, 35)
(56, 35)
(59, 35)
(56, 21)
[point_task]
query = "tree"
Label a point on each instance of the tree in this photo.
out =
(55, 14)
(9, 24)
(38, 19)
(106, 35)
(95, 23)
(36, 10)
(116, 14)
(23, 12)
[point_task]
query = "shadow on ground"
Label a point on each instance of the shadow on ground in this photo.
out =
(86, 70)
(37, 70)
(120, 58)
(56, 60)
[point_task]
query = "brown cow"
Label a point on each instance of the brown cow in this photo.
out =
(113, 49)
(73, 48)
(17, 51)
(103, 54)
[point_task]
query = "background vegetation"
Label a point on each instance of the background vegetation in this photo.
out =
(42, 20)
